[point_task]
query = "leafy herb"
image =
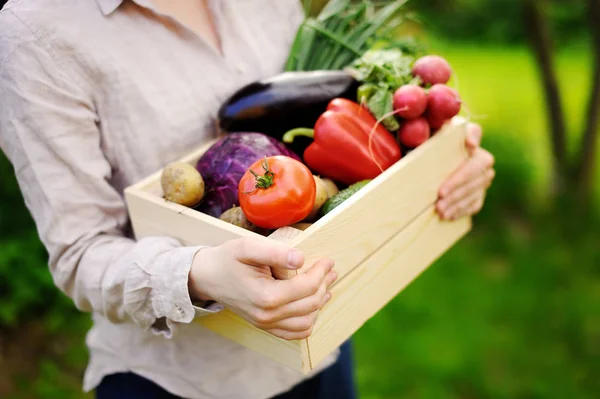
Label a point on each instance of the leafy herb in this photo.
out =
(389, 67)
(381, 72)
(381, 103)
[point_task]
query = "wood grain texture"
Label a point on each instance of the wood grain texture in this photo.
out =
(381, 239)
(358, 227)
(153, 216)
(292, 354)
(364, 291)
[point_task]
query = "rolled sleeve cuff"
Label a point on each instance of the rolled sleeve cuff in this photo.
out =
(171, 298)
(203, 309)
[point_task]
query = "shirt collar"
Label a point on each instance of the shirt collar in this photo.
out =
(108, 6)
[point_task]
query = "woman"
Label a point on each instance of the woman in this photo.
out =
(97, 94)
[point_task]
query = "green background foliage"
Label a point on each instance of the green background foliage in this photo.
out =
(498, 21)
(512, 311)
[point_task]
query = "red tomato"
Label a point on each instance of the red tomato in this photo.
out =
(279, 193)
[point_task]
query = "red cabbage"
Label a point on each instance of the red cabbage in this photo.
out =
(226, 161)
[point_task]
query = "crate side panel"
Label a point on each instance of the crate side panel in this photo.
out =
(152, 216)
(292, 354)
(372, 216)
(367, 289)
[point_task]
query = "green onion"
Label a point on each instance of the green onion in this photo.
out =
(342, 32)
(345, 25)
(333, 9)
(309, 36)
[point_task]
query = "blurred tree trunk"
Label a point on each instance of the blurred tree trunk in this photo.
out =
(538, 32)
(573, 177)
(586, 160)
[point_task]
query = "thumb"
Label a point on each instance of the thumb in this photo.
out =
(305, 284)
(474, 133)
(259, 252)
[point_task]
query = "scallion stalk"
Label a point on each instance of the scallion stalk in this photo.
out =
(342, 32)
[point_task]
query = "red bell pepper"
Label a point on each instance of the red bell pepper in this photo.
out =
(341, 149)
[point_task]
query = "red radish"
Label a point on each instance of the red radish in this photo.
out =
(414, 132)
(410, 101)
(432, 69)
(443, 103)
(435, 124)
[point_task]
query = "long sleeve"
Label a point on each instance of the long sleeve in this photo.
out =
(49, 131)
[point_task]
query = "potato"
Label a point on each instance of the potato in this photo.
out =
(237, 217)
(182, 183)
(332, 189)
(320, 199)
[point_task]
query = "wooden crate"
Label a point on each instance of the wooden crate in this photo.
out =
(381, 239)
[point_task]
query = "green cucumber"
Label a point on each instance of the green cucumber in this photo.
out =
(342, 196)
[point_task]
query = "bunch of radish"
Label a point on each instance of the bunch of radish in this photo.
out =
(422, 109)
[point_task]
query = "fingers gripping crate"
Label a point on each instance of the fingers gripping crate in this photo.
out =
(381, 239)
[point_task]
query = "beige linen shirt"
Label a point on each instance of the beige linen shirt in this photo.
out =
(94, 96)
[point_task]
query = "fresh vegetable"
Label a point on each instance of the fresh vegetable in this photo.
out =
(351, 100)
(435, 124)
(277, 191)
(348, 145)
(382, 72)
(283, 102)
(330, 186)
(226, 161)
(320, 198)
(432, 69)
(182, 183)
(443, 103)
(410, 101)
(414, 132)
(342, 196)
(236, 216)
(381, 103)
(343, 31)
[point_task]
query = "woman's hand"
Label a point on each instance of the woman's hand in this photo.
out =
(237, 274)
(463, 194)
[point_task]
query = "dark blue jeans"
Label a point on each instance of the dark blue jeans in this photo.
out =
(336, 382)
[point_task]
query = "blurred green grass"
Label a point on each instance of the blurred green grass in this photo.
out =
(519, 320)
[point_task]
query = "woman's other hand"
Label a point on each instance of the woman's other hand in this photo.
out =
(463, 194)
(237, 274)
